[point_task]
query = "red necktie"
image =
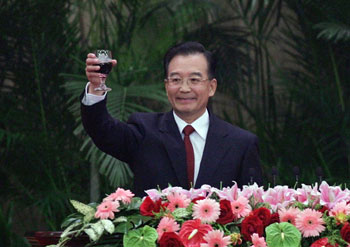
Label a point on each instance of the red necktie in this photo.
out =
(189, 153)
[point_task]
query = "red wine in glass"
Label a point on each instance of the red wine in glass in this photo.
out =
(105, 68)
(105, 58)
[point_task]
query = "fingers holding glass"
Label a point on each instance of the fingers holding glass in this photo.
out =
(102, 66)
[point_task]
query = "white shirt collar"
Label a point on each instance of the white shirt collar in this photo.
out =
(201, 124)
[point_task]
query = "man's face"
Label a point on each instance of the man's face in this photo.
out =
(189, 101)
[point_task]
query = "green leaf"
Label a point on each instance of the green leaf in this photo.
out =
(92, 234)
(144, 237)
(71, 219)
(82, 208)
(135, 203)
(66, 232)
(89, 216)
(98, 228)
(333, 30)
(120, 219)
(123, 227)
(181, 213)
(136, 220)
(282, 235)
(108, 226)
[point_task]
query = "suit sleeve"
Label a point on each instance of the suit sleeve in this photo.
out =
(110, 135)
(251, 168)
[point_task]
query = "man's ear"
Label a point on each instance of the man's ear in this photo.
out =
(166, 86)
(212, 87)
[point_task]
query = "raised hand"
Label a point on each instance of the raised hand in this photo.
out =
(92, 73)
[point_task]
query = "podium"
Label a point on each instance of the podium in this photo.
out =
(42, 239)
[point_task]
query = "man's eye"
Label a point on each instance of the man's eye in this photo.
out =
(175, 80)
(195, 80)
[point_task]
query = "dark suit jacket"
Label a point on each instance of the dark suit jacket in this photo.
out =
(152, 145)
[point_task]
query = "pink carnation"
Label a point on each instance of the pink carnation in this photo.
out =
(258, 241)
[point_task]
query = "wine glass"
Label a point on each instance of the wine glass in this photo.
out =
(105, 63)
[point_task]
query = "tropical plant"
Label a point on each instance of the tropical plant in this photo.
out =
(38, 152)
(333, 22)
(285, 83)
(282, 68)
(314, 87)
(7, 236)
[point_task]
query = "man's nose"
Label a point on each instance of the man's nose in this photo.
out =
(185, 86)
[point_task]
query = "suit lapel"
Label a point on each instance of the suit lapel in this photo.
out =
(214, 149)
(174, 146)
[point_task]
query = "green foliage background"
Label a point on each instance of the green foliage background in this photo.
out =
(283, 74)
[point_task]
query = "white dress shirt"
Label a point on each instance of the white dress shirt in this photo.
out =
(90, 99)
(198, 137)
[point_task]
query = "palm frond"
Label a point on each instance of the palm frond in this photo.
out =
(333, 31)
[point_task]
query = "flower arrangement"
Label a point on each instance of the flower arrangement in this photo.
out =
(209, 217)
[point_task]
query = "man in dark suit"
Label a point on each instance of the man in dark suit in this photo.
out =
(188, 146)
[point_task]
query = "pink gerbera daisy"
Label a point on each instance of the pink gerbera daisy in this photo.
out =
(207, 210)
(310, 222)
(177, 200)
(120, 195)
(288, 215)
(106, 210)
(167, 224)
(216, 238)
(240, 207)
(258, 241)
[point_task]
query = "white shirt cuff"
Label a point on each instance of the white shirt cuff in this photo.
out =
(90, 99)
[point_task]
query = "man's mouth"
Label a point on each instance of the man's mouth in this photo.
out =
(187, 99)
